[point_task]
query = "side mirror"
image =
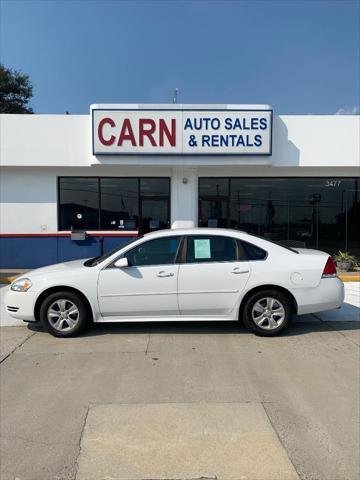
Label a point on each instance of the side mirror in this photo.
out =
(121, 263)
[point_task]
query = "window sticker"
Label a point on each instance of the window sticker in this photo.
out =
(202, 248)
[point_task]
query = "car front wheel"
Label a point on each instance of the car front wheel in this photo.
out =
(64, 314)
(267, 312)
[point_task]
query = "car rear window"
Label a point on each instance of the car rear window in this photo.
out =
(253, 252)
(279, 244)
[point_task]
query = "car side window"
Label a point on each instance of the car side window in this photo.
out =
(160, 251)
(253, 252)
(206, 248)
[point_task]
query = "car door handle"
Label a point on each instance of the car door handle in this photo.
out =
(238, 270)
(163, 274)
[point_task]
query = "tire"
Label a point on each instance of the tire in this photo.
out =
(267, 312)
(64, 314)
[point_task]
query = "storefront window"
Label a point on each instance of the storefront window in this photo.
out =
(311, 212)
(119, 202)
(113, 203)
(78, 203)
(155, 187)
(214, 187)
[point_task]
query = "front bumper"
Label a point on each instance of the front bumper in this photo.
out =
(21, 305)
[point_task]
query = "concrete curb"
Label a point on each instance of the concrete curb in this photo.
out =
(8, 279)
(350, 278)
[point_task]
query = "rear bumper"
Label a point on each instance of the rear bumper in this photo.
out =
(328, 295)
(21, 305)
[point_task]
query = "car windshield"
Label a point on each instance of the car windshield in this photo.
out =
(96, 260)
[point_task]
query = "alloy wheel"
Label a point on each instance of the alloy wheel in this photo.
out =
(63, 315)
(268, 313)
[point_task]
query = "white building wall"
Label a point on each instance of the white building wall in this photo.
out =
(184, 195)
(45, 140)
(316, 141)
(28, 201)
(65, 140)
(36, 149)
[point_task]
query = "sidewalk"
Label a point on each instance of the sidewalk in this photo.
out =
(8, 276)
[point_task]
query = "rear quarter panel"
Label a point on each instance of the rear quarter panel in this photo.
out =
(287, 269)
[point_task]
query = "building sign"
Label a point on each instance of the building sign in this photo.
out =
(187, 132)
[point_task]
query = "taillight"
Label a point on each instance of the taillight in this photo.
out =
(329, 269)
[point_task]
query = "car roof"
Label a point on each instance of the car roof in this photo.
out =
(226, 232)
(195, 231)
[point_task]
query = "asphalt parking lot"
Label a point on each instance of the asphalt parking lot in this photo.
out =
(183, 401)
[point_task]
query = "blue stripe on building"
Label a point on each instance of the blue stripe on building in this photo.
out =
(37, 251)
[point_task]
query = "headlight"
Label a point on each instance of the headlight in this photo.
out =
(21, 285)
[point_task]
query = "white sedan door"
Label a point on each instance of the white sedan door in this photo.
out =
(213, 277)
(147, 287)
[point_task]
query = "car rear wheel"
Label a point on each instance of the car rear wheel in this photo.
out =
(267, 312)
(64, 314)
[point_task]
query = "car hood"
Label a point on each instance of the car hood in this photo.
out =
(57, 267)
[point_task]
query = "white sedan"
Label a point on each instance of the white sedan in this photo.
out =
(184, 275)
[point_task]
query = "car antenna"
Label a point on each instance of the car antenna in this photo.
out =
(175, 97)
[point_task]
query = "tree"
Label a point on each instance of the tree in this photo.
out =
(15, 91)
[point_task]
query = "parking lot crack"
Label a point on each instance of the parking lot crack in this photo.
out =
(17, 347)
(329, 324)
(35, 442)
(192, 478)
(147, 345)
(278, 437)
(80, 440)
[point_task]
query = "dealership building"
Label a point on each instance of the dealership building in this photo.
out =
(75, 186)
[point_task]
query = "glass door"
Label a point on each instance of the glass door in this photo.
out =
(213, 212)
(154, 214)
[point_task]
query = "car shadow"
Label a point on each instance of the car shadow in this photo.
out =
(223, 328)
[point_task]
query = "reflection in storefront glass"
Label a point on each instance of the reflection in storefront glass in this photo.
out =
(311, 212)
(114, 203)
(119, 203)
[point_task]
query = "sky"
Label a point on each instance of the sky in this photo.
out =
(301, 57)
